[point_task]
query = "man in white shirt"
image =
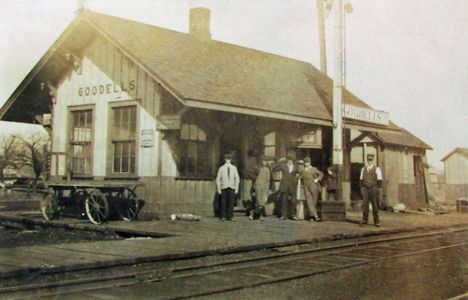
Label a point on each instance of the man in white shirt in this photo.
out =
(227, 183)
(371, 182)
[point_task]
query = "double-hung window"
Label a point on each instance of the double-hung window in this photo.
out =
(194, 159)
(123, 144)
(81, 145)
(269, 142)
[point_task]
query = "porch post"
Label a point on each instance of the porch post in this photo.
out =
(337, 97)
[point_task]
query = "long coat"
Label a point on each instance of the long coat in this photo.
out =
(288, 179)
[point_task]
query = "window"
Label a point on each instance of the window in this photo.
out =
(81, 141)
(270, 144)
(124, 139)
(308, 138)
(194, 159)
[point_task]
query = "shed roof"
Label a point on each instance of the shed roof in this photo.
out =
(403, 138)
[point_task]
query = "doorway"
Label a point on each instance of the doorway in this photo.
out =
(317, 157)
(230, 142)
(419, 180)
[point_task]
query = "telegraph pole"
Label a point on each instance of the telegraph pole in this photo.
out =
(322, 43)
(338, 95)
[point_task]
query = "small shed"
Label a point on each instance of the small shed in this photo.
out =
(456, 174)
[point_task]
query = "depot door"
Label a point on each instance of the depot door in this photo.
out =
(419, 180)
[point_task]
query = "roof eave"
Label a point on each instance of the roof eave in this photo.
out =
(196, 103)
(39, 66)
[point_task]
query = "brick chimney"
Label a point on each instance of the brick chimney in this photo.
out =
(200, 23)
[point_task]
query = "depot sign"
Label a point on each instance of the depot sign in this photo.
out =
(366, 115)
(109, 88)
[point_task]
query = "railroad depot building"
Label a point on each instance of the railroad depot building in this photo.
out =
(127, 101)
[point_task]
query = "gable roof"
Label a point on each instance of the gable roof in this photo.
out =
(459, 150)
(204, 73)
(216, 72)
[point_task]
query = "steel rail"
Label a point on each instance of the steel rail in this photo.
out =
(131, 278)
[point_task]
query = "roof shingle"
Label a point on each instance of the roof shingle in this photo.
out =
(218, 72)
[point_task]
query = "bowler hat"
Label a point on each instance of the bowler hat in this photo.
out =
(370, 156)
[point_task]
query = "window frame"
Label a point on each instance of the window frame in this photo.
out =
(183, 148)
(299, 141)
(270, 146)
(110, 140)
(69, 135)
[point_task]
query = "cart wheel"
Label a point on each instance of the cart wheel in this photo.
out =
(128, 209)
(97, 207)
(49, 206)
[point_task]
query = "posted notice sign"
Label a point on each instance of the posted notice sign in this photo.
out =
(366, 115)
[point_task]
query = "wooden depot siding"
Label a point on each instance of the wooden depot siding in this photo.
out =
(177, 196)
(456, 169)
(392, 175)
(399, 176)
(456, 177)
(106, 76)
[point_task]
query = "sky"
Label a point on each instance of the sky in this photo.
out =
(407, 57)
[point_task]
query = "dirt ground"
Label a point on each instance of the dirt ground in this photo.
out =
(17, 237)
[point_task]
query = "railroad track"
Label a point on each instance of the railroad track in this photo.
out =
(203, 277)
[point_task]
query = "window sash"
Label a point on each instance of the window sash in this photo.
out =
(194, 157)
(124, 157)
(191, 132)
(124, 122)
(269, 141)
(81, 133)
(123, 144)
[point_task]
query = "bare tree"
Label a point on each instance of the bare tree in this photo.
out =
(8, 152)
(33, 152)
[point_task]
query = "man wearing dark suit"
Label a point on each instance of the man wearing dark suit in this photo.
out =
(227, 183)
(287, 187)
(371, 182)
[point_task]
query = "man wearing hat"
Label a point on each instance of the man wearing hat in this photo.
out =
(371, 182)
(330, 184)
(262, 185)
(287, 186)
(311, 177)
(227, 183)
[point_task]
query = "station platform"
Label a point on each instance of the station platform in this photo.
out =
(185, 239)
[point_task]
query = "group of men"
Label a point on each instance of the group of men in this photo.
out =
(291, 176)
(294, 177)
